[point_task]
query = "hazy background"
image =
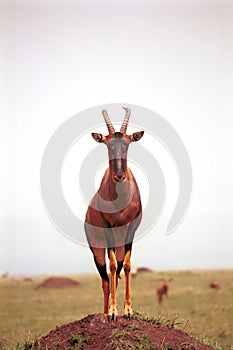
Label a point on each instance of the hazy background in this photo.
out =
(60, 57)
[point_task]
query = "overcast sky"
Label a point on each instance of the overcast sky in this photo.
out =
(61, 57)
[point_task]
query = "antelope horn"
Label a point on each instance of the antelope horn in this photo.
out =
(108, 122)
(126, 120)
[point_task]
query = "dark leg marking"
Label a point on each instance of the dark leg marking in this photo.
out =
(119, 268)
(102, 270)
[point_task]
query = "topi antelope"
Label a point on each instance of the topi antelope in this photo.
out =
(215, 285)
(162, 289)
(113, 215)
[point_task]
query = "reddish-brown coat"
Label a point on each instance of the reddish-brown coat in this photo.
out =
(114, 214)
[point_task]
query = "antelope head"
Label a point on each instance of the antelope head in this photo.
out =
(117, 144)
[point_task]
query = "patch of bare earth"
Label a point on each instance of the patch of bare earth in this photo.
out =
(97, 333)
(58, 282)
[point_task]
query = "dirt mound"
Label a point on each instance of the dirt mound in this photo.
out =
(143, 269)
(58, 282)
(97, 333)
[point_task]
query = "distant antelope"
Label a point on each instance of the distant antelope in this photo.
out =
(134, 272)
(4, 275)
(162, 289)
(215, 285)
(114, 214)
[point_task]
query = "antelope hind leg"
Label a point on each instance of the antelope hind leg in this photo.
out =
(128, 312)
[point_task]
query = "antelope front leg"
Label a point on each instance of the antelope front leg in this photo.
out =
(105, 287)
(128, 312)
(112, 313)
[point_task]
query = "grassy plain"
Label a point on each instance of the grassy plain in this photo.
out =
(26, 312)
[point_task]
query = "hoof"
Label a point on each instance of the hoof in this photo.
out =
(128, 317)
(112, 318)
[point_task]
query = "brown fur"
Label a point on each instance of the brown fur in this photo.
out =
(162, 289)
(113, 216)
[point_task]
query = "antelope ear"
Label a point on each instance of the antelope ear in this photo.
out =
(98, 137)
(136, 136)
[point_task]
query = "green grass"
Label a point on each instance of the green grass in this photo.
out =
(27, 313)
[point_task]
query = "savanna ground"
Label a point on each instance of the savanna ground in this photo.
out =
(28, 313)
